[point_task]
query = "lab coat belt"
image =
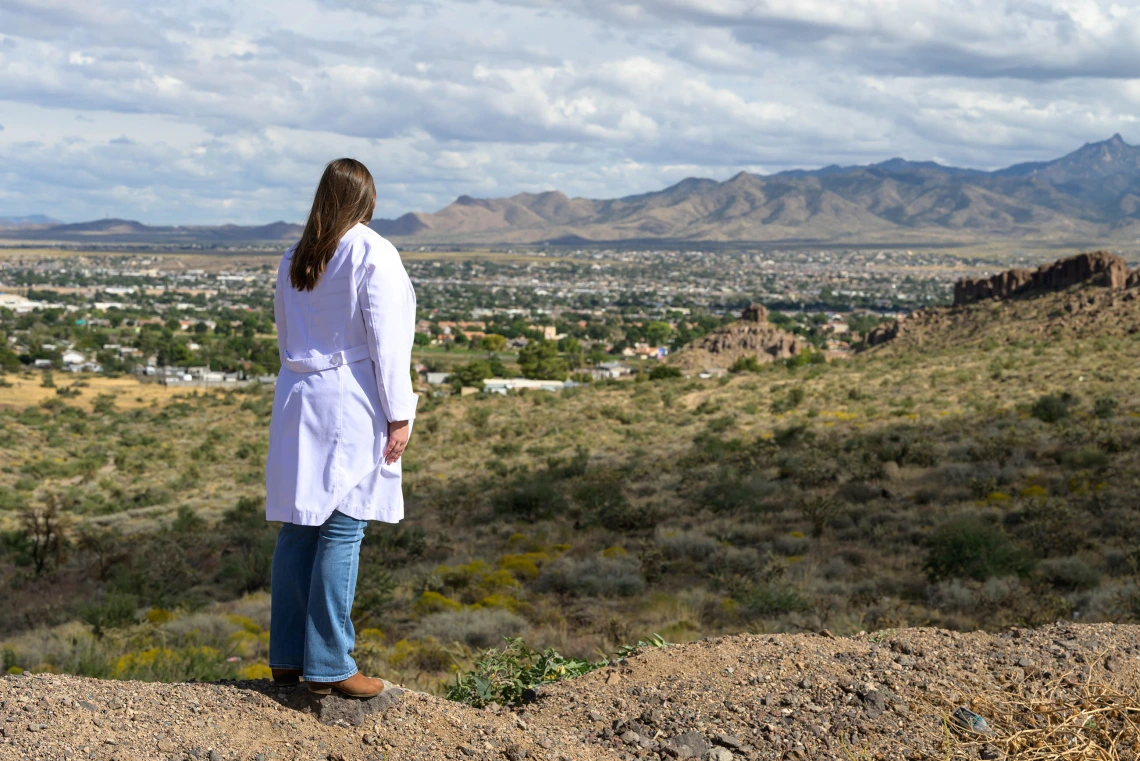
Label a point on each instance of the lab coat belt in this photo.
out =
(327, 361)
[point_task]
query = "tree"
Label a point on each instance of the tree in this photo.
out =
(42, 530)
(658, 332)
(472, 374)
(540, 360)
(494, 342)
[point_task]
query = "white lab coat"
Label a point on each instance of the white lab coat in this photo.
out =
(345, 352)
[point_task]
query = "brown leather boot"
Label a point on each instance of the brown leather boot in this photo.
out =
(286, 676)
(356, 686)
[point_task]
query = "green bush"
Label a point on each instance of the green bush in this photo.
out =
(661, 372)
(115, 612)
(1105, 407)
(749, 364)
(531, 497)
(1070, 574)
(773, 599)
(1052, 408)
(969, 547)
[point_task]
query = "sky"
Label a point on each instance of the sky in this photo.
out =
(226, 112)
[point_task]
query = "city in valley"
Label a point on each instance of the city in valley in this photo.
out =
(197, 318)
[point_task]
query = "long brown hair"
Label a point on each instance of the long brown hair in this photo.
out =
(345, 195)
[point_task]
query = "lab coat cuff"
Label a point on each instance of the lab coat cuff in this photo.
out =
(404, 411)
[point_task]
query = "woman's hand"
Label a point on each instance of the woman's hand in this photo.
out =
(398, 432)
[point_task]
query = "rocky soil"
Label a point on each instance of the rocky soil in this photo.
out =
(1062, 690)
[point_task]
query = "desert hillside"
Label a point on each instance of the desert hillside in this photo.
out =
(1061, 691)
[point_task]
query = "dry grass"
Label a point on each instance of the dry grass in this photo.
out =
(1065, 718)
(27, 390)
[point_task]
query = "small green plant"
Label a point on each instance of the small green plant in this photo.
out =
(661, 372)
(502, 675)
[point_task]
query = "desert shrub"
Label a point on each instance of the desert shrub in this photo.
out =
(1052, 408)
(748, 364)
(952, 595)
(157, 572)
(1048, 526)
(1104, 407)
(1071, 573)
(859, 493)
(1089, 458)
(187, 522)
(794, 398)
(809, 468)
(608, 506)
(661, 372)
(969, 547)
(375, 592)
(162, 664)
(476, 628)
(736, 562)
(774, 598)
(115, 612)
(248, 563)
(594, 576)
(531, 497)
(728, 494)
(790, 545)
(688, 545)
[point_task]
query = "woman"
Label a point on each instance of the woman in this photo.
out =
(342, 415)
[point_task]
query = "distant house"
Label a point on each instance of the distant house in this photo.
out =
(503, 385)
(437, 379)
(72, 357)
(42, 363)
(609, 371)
(518, 342)
(85, 367)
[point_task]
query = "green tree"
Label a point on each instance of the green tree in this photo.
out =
(658, 333)
(539, 359)
(494, 342)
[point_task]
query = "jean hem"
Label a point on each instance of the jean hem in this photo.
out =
(326, 679)
(282, 666)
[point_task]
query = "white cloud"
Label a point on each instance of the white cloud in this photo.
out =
(223, 111)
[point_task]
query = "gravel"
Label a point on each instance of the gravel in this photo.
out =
(743, 698)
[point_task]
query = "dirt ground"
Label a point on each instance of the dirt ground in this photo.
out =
(1061, 691)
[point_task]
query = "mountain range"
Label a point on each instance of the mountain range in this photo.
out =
(1091, 194)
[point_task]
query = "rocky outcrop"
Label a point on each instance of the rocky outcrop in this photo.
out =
(751, 336)
(1096, 268)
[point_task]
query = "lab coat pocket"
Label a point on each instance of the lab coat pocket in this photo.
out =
(395, 470)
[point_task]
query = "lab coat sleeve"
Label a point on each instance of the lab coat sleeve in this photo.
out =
(279, 308)
(389, 305)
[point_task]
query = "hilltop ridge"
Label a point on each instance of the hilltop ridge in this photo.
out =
(1092, 193)
(1091, 294)
(806, 696)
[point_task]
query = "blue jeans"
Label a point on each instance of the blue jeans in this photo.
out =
(314, 582)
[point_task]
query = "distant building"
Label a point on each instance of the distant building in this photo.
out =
(72, 357)
(437, 379)
(609, 371)
(503, 385)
